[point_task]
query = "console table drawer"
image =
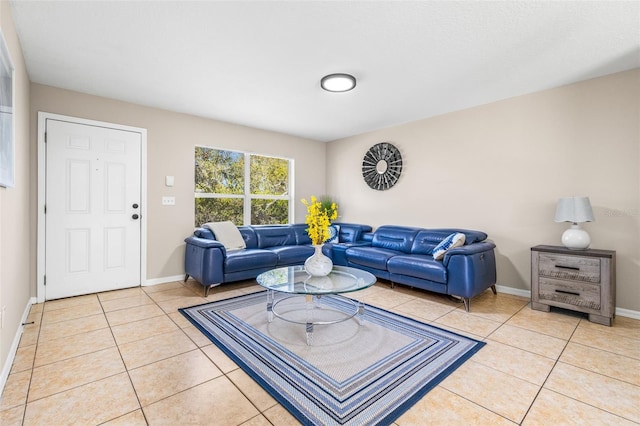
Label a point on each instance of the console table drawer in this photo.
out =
(569, 267)
(570, 292)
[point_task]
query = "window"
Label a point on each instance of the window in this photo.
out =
(247, 189)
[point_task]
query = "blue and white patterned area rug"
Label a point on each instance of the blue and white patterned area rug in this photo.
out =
(364, 372)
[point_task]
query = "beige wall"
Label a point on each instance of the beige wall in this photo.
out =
(501, 167)
(16, 262)
(171, 138)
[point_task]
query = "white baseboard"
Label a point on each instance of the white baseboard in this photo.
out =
(628, 313)
(11, 356)
(163, 280)
(514, 291)
(527, 293)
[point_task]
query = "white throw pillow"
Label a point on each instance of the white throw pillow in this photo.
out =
(453, 240)
(227, 234)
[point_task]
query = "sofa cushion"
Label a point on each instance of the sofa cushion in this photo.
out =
(426, 241)
(351, 232)
(288, 255)
(271, 236)
(452, 241)
(227, 234)
(246, 259)
(419, 266)
(399, 238)
(302, 236)
(372, 257)
(249, 236)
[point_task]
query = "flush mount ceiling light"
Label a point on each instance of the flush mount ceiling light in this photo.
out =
(338, 82)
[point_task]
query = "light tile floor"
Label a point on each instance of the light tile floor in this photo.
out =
(128, 357)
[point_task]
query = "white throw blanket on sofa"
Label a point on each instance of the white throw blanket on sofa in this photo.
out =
(227, 234)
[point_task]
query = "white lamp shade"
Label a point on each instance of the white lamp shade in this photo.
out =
(574, 209)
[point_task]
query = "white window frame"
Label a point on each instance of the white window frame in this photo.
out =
(247, 196)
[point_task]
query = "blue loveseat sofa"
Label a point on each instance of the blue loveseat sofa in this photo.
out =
(400, 254)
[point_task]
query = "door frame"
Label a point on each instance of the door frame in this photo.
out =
(42, 195)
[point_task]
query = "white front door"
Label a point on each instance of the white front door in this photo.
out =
(93, 215)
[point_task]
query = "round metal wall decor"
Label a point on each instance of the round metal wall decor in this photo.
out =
(381, 166)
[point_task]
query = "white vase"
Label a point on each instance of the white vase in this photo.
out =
(318, 265)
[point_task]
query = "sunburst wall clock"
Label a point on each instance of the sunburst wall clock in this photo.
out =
(382, 166)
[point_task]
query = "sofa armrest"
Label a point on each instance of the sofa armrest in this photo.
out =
(468, 250)
(204, 260)
(471, 269)
(204, 243)
(204, 233)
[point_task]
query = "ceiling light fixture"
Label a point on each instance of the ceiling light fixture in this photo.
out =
(338, 82)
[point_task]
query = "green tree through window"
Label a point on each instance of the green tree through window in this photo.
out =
(240, 187)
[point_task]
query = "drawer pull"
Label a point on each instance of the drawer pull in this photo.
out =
(573, 293)
(573, 268)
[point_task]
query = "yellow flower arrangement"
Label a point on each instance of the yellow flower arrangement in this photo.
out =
(319, 216)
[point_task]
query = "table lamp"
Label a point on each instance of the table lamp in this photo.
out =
(575, 210)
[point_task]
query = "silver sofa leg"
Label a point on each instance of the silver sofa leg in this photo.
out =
(467, 300)
(208, 287)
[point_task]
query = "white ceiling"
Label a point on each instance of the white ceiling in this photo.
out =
(259, 63)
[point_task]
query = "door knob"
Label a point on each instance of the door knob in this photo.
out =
(135, 205)
(135, 216)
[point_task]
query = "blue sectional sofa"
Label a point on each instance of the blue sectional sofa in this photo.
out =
(400, 254)
(403, 255)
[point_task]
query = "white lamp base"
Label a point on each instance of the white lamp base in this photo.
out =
(576, 238)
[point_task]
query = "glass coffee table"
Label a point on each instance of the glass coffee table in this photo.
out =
(294, 281)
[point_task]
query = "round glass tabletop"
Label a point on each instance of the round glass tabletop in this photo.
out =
(295, 280)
